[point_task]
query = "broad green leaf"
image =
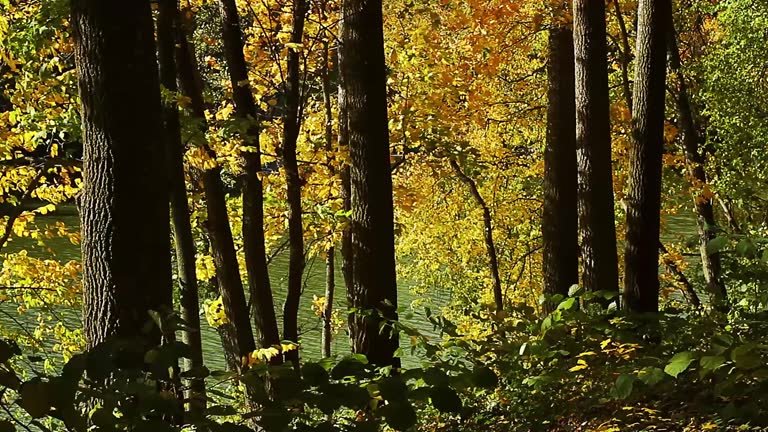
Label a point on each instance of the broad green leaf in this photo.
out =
(445, 399)
(710, 363)
(623, 386)
(393, 389)
(746, 248)
(567, 304)
(716, 244)
(650, 375)
(484, 377)
(35, 398)
(575, 290)
(399, 416)
(745, 357)
(314, 374)
(679, 363)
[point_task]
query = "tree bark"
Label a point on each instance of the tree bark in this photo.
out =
(253, 194)
(626, 55)
(346, 188)
(217, 225)
(291, 127)
(373, 238)
(641, 258)
(124, 208)
(167, 22)
(490, 246)
(694, 160)
(330, 260)
(559, 224)
(597, 225)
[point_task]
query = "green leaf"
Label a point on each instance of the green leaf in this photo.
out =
(745, 357)
(575, 290)
(445, 399)
(650, 375)
(710, 363)
(314, 374)
(679, 363)
(196, 372)
(399, 415)
(623, 386)
(393, 389)
(8, 349)
(34, 398)
(716, 244)
(746, 248)
(567, 304)
(484, 377)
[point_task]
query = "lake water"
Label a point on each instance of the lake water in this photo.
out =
(310, 324)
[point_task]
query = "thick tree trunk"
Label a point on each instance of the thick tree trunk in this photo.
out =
(124, 208)
(253, 194)
(217, 226)
(167, 22)
(373, 237)
(694, 159)
(346, 188)
(641, 258)
(597, 225)
(490, 246)
(559, 224)
(291, 128)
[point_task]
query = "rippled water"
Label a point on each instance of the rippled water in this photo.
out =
(310, 324)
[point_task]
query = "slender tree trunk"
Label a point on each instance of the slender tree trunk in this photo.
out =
(124, 208)
(559, 224)
(689, 135)
(626, 54)
(217, 226)
(641, 258)
(167, 22)
(597, 225)
(490, 246)
(373, 237)
(330, 260)
(253, 194)
(687, 288)
(291, 128)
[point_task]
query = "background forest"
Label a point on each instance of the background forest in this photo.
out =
(364, 215)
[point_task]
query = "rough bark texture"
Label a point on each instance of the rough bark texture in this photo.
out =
(597, 225)
(124, 207)
(641, 257)
(253, 194)
(291, 128)
(490, 246)
(217, 225)
(346, 188)
(626, 55)
(694, 159)
(167, 22)
(559, 224)
(373, 238)
(330, 286)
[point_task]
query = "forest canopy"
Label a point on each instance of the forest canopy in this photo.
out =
(364, 215)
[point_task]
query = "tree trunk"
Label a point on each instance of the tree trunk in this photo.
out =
(253, 194)
(373, 237)
(597, 225)
(641, 258)
(694, 160)
(291, 128)
(626, 55)
(124, 208)
(217, 226)
(167, 21)
(346, 188)
(559, 224)
(330, 260)
(490, 246)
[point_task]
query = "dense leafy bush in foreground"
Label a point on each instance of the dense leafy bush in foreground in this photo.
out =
(582, 367)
